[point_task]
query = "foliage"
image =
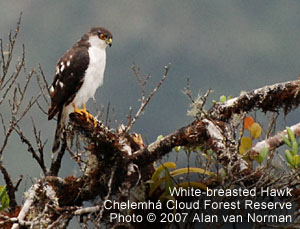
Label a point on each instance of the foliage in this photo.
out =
(246, 145)
(163, 176)
(222, 99)
(291, 154)
(4, 199)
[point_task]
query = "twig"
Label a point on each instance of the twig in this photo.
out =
(17, 103)
(187, 91)
(55, 165)
(40, 145)
(30, 149)
(272, 125)
(15, 76)
(18, 182)
(41, 108)
(19, 66)
(12, 40)
(15, 122)
(43, 87)
(144, 101)
(86, 210)
(3, 124)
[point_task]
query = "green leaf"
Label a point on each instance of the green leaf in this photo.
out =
(177, 148)
(222, 99)
(2, 191)
(4, 202)
(156, 175)
(291, 134)
(255, 130)
(191, 170)
(287, 141)
(156, 180)
(289, 157)
(168, 182)
(264, 153)
(259, 159)
(246, 144)
(4, 199)
(159, 137)
(294, 149)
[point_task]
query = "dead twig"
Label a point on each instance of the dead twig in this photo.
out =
(39, 159)
(145, 101)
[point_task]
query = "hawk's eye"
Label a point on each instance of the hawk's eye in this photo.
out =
(102, 36)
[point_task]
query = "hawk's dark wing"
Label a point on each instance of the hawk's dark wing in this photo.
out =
(69, 77)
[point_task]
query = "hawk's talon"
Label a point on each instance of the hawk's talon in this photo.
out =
(84, 112)
(95, 123)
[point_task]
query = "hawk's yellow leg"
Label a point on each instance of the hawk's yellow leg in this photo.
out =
(84, 112)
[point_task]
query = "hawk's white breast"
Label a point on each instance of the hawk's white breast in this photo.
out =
(94, 73)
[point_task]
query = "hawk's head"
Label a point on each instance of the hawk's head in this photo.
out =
(99, 36)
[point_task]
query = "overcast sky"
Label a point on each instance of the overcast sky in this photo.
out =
(227, 46)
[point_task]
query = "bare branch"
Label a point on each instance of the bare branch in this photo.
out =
(15, 121)
(3, 124)
(12, 40)
(43, 87)
(187, 91)
(144, 102)
(55, 165)
(41, 108)
(275, 141)
(30, 149)
(20, 65)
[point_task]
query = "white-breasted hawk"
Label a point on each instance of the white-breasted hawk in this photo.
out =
(79, 73)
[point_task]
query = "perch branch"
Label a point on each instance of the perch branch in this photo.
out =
(275, 141)
(269, 98)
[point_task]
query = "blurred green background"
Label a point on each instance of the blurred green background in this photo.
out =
(227, 46)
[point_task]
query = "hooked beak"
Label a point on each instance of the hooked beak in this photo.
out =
(109, 41)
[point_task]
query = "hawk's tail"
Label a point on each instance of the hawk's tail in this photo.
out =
(61, 118)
